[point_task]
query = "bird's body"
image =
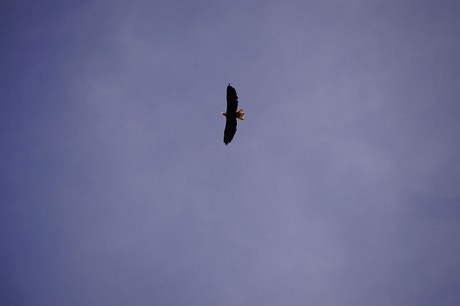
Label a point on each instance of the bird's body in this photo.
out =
(233, 113)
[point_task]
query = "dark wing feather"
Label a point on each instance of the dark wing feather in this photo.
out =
(230, 129)
(232, 100)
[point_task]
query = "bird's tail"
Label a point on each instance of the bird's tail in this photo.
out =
(240, 113)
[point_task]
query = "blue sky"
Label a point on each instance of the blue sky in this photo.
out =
(341, 187)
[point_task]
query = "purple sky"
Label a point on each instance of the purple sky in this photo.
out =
(341, 187)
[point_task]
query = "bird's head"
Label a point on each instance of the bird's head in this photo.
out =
(224, 114)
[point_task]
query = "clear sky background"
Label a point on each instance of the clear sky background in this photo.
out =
(341, 187)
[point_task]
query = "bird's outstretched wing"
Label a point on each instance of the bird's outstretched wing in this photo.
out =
(232, 100)
(230, 129)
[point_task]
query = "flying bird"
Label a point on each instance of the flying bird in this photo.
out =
(233, 113)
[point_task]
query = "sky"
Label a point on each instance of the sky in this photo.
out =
(341, 187)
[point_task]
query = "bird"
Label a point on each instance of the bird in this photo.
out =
(233, 113)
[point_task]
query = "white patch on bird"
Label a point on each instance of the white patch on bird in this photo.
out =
(240, 113)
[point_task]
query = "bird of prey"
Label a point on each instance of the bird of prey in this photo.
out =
(233, 113)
